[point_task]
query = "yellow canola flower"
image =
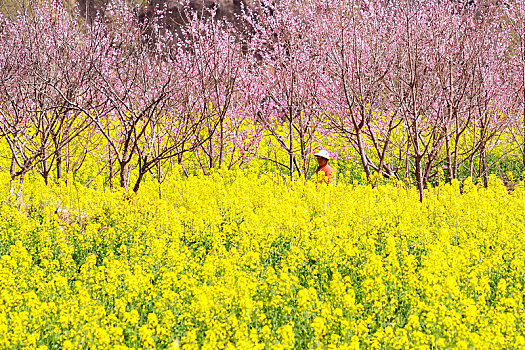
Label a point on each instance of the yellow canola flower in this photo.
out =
(236, 260)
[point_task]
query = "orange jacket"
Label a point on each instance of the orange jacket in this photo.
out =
(328, 174)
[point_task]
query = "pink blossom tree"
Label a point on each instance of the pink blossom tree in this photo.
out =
(357, 39)
(286, 78)
(512, 22)
(217, 65)
(413, 89)
(151, 111)
(45, 59)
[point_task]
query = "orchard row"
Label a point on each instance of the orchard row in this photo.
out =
(405, 90)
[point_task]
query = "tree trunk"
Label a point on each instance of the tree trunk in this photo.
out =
(110, 160)
(523, 145)
(455, 157)
(418, 159)
(472, 166)
(419, 179)
(362, 155)
(45, 175)
(382, 163)
(12, 168)
(45, 170)
(484, 171)
(291, 149)
(123, 175)
(450, 169)
(221, 141)
(59, 165)
(523, 97)
(139, 180)
(19, 193)
(159, 178)
(67, 162)
(58, 154)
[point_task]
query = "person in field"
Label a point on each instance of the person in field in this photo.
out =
(324, 173)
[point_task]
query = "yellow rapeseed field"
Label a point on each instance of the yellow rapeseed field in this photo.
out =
(240, 260)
